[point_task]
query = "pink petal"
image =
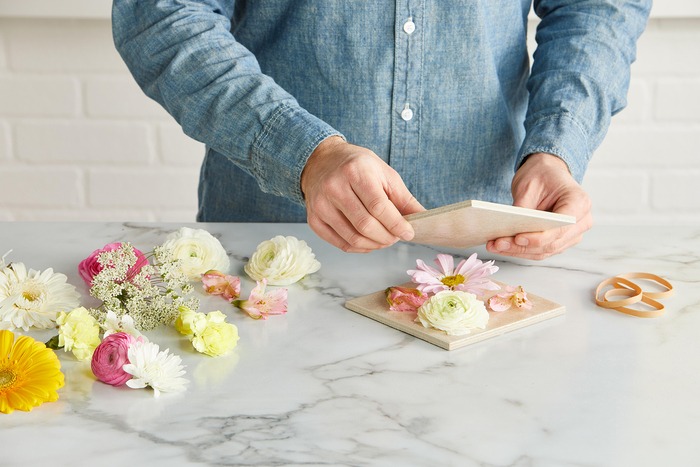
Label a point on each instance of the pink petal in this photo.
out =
(500, 302)
(447, 263)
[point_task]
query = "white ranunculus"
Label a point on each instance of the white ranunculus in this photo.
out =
(282, 261)
(198, 250)
(454, 312)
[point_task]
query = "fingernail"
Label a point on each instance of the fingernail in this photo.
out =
(522, 241)
(406, 236)
(503, 245)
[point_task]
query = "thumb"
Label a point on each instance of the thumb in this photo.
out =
(400, 197)
(530, 197)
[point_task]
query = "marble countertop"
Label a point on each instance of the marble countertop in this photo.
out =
(323, 385)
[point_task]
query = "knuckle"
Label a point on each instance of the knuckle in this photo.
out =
(364, 225)
(377, 207)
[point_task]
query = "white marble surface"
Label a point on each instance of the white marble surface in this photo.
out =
(322, 385)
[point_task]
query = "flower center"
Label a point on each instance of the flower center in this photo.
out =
(32, 295)
(451, 281)
(7, 378)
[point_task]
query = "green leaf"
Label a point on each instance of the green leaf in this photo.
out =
(53, 343)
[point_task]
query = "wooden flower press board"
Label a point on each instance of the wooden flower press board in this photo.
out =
(376, 307)
(472, 223)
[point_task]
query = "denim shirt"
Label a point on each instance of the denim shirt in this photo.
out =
(441, 90)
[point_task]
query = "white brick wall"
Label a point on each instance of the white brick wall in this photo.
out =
(79, 140)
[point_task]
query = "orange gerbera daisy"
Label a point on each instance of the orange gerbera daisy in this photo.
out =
(30, 373)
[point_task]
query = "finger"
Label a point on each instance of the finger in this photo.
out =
(384, 210)
(362, 221)
(339, 222)
(327, 233)
(536, 256)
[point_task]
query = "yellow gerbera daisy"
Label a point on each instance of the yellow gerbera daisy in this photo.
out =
(30, 373)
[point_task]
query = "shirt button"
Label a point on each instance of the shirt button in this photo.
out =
(409, 26)
(407, 113)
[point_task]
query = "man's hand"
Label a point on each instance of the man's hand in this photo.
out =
(354, 200)
(544, 182)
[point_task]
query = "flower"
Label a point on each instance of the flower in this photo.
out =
(150, 367)
(404, 299)
(198, 250)
(468, 276)
(213, 336)
(30, 373)
(90, 266)
(282, 261)
(124, 323)
(3, 265)
(111, 356)
(512, 296)
(78, 332)
(218, 283)
(454, 312)
(183, 323)
(33, 298)
(261, 304)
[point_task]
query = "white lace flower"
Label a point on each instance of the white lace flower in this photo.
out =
(33, 298)
(150, 367)
(454, 312)
(198, 252)
(282, 261)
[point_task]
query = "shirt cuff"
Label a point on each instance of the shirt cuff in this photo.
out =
(562, 136)
(283, 146)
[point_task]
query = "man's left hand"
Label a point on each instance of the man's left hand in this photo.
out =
(544, 182)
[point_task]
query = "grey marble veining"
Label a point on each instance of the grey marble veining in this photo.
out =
(322, 385)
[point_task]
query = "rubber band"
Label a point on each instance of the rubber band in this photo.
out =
(652, 277)
(634, 293)
(617, 303)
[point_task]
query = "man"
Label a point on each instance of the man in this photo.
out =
(432, 94)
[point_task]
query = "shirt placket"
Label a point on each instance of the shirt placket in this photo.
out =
(407, 93)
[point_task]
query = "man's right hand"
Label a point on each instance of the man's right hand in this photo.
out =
(354, 200)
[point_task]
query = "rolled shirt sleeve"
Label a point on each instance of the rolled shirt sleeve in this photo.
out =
(580, 75)
(183, 55)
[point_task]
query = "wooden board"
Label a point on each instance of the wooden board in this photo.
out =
(472, 223)
(376, 307)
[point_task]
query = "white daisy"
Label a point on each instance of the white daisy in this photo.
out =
(33, 298)
(2, 260)
(150, 367)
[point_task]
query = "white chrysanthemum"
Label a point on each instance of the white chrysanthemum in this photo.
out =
(454, 312)
(282, 261)
(198, 252)
(32, 299)
(150, 367)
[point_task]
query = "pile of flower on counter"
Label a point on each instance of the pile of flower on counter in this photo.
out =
(446, 298)
(139, 292)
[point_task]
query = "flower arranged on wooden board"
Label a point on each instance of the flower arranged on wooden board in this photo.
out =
(198, 252)
(30, 373)
(148, 366)
(469, 275)
(33, 298)
(282, 261)
(261, 304)
(404, 299)
(454, 312)
(513, 296)
(218, 283)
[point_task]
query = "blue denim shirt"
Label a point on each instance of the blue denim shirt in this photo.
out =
(440, 89)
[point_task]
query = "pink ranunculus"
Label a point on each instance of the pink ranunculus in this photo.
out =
(111, 356)
(218, 283)
(90, 266)
(404, 299)
(512, 296)
(261, 304)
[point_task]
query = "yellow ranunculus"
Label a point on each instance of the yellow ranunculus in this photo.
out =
(184, 320)
(79, 332)
(213, 336)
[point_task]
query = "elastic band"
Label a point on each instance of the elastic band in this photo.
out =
(653, 277)
(623, 286)
(618, 303)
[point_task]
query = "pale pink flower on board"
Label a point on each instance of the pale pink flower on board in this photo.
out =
(469, 275)
(90, 266)
(110, 356)
(261, 304)
(218, 283)
(404, 299)
(512, 296)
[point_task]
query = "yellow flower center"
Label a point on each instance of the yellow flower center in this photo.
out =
(32, 295)
(451, 281)
(7, 378)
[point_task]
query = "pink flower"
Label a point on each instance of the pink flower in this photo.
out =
(90, 266)
(111, 356)
(511, 296)
(404, 299)
(261, 304)
(468, 276)
(218, 283)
